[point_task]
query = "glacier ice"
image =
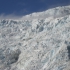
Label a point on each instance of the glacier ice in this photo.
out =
(36, 42)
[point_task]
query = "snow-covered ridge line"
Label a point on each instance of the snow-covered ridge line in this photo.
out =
(53, 13)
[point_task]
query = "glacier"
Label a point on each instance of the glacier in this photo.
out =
(38, 41)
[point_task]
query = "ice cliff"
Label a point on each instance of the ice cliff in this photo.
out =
(39, 41)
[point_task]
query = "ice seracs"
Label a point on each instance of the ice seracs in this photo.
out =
(39, 42)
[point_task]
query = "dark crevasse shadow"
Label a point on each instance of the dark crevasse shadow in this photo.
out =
(68, 48)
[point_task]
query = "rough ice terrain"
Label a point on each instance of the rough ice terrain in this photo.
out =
(39, 41)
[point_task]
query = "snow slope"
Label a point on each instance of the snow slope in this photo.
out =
(54, 13)
(37, 41)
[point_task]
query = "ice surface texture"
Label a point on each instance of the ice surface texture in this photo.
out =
(36, 44)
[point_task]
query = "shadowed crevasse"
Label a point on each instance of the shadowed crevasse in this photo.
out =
(68, 48)
(13, 56)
